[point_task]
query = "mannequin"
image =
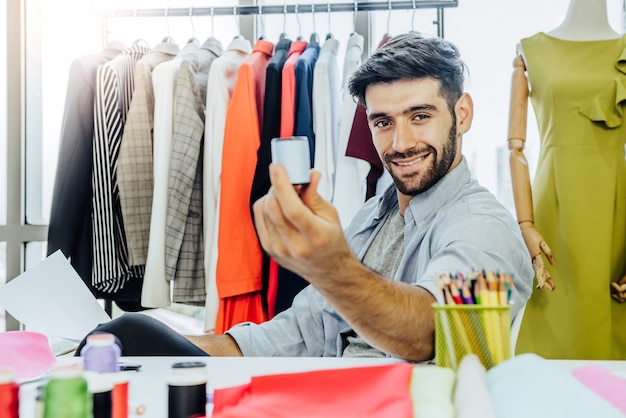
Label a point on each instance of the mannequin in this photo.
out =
(584, 31)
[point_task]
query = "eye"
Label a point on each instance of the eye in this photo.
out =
(420, 116)
(382, 123)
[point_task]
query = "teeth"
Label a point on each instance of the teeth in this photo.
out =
(411, 162)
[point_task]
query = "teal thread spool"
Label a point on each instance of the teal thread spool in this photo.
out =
(66, 394)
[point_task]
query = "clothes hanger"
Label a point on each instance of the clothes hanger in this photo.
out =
(388, 34)
(236, 16)
(261, 22)
(167, 39)
(299, 38)
(329, 35)
(354, 16)
(413, 31)
(283, 35)
(193, 38)
(314, 37)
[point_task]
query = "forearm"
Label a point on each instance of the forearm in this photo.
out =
(394, 317)
(522, 192)
(518, 112)
(216, 345)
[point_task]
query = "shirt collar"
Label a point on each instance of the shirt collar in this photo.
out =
(214, 45)
(283, 44)
(240, 44)
(331, 45)
(355, 40)
(426, 204)
(167, 48)
(264, 46)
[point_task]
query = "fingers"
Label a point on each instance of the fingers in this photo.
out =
(294, 223)
(259, 221)
(544, 280)
(300, 203)
(618, 292)
(548, 252)
(279, 214)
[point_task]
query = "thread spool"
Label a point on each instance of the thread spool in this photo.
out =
(100, 386)
(294, 153)
(103, 403)
(9, 395)
(39, 403)
(101, 353)
(66, 394)
(187, 390)
(120, 397)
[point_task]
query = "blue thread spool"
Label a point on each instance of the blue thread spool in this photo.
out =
(66, 394)
(187, 390)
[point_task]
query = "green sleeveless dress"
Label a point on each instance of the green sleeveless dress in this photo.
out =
(578, 92)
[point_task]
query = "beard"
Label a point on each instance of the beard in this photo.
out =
(419, 182)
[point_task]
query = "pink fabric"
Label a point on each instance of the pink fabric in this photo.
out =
(26, 353)
(604, 384)
(373, 392)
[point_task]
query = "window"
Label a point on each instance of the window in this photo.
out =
(3, 154)
(3, 122)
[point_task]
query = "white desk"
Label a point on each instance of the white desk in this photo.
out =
(148, 386)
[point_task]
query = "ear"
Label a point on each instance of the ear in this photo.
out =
(464, 110)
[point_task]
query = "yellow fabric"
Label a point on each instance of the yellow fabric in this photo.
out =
(578, 92)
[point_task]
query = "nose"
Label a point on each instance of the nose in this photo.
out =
(403, 137)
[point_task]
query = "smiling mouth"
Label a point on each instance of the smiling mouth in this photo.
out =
(412, 161)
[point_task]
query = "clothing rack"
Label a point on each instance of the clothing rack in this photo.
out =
(259, 10)
(356, 6)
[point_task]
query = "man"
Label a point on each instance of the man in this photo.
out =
(372, 287)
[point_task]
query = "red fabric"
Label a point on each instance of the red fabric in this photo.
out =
(287, 123)
(373, 392)
(288, 89)
(229, 397)
(361, 146)
(272, 289)
(239, 308)
(239, 260)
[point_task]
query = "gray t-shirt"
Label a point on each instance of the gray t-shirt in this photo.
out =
(383, 256)
(455, 226)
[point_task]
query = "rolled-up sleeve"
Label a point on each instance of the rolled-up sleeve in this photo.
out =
(309, 328)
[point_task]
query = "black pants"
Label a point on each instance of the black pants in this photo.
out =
(142, 335)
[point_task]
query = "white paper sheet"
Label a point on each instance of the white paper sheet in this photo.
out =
(51, 298)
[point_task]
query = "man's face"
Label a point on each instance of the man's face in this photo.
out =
(414, 133)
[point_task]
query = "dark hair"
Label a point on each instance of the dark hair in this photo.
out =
(409, 56)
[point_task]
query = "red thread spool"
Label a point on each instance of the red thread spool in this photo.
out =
(9, 395)
(120, 399)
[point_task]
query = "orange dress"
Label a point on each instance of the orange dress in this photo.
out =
(238, 275)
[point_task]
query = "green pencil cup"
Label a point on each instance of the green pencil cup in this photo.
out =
(463, 329)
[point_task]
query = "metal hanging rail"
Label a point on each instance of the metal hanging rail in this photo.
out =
(285, 8)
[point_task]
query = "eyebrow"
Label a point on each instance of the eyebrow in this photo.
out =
(411, 109)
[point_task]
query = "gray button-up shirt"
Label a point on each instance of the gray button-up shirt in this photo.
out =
(455, 226)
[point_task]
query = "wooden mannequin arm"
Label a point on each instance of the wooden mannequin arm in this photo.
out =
(618, 290)
(520, 177)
